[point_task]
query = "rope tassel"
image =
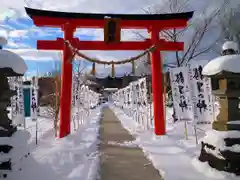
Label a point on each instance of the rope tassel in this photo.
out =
(113, 70)
(133, 67)
(93, 69)
(149, 58)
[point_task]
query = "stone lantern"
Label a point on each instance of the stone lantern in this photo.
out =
(218, 145)
(10, 65)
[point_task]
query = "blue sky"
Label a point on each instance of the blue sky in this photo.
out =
(23, 35)
(29, 40)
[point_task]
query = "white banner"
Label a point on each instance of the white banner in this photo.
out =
(83, 98)
(74, 91)
(133, 100)
(14, 99)
(17, 101)
(202, 97)
(181, 93)
(21, 113)
(74, 110)
(34, 98)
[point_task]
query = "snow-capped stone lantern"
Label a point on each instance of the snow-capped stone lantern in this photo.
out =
(10, 65)
(218, 145)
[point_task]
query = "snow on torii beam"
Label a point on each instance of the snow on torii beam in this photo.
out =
(70, 21)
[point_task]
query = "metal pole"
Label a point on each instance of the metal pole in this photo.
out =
(195, 131)
(24, 123)
(36, 131)
(185, 129)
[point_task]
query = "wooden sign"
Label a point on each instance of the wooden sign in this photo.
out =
(112, 31)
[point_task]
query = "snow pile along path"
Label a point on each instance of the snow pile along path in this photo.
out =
(74, 157)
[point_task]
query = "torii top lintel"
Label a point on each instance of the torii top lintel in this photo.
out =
(93, 20)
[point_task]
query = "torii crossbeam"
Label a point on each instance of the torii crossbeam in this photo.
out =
(68, 22)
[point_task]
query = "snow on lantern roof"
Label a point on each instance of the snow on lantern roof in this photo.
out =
(227, 63)
(230, 45)
(3, 41)
(11, 60)
(110, 89)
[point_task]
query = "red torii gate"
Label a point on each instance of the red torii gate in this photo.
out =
(68, 22)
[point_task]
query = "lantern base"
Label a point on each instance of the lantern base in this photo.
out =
(7, 129)
(5, 148)
(7, 165)
(9, 132)
(225, 126)
(218, 151)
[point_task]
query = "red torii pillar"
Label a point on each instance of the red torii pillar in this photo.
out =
(66, 86)
(158, 104)
(70, 21)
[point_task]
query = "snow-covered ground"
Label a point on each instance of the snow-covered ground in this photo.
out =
(74, 157)
(173, 155)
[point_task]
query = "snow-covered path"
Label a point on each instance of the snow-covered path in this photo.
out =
(173, 155)
(119, 159)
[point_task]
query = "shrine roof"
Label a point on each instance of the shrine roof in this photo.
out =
(73, 15)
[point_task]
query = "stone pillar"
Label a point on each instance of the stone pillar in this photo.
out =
(219, 145)
(5, 100)
(7, 130)
(224, 129)
(229, 104)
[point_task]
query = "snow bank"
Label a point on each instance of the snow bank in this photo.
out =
(229, 63)
(169, 153)
(233, 122)
(172, 155)
(130, 144)
(216, 138)
(211, 173)
(19, 151)
(74, 157)
(206, 169)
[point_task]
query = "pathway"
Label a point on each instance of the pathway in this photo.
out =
(121, 162)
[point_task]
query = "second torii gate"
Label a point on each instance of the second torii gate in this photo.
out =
(112, 24)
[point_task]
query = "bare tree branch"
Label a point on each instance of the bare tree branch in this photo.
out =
(196, 30)
(229, 22)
